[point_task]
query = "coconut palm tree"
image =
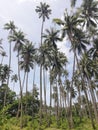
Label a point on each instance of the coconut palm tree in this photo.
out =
(44, 11)
(51, 37)
(89, 13)
(19, 38)
(11, 28)
(27, 61)
(78, 40)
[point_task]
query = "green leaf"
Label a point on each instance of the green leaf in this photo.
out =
(58, 21)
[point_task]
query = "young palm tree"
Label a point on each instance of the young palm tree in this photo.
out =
(3, 54)
(14, 79)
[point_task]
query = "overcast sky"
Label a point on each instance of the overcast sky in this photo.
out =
(22, 12)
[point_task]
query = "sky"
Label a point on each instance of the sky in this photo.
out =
(22, 12)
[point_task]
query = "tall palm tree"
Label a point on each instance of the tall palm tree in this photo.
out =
(19, 38)
(44, 11)
(11, 28)
(71, 29)
(27, 61)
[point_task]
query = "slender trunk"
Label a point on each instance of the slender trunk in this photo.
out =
(21, 104)
(44, 81)
(93, 101)
(41, 77)
(88, 104)
(40, 95)
(18, 112)
(2, 60)
(26, 92)
(5, 94)
(71, 125)
(50, 103)
(33, 89)
(57, 108)
(89, 109)
(80, 111)
(42, 27)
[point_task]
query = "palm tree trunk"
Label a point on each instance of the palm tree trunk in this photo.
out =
(71, 125)
(26, 91)
(21, 104)
(93, 101)
(33, 88)
(41, 76)
(44, 81)
(2, 60)
(88, 104)
(57, 108)
(5, 94)
(20, 94)
(40, 95)
(50, 102)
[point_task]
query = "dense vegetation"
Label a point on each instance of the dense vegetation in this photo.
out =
(73, 100)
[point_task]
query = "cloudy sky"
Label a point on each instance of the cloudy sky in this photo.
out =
(22, 12)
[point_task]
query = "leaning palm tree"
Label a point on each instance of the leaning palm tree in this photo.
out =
(44, 11)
